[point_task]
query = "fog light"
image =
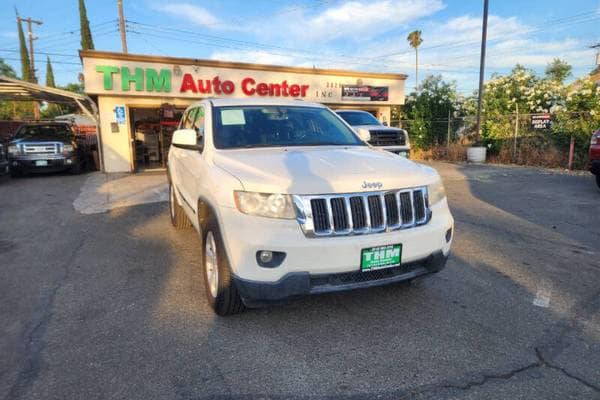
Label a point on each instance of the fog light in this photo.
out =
(69, 161)
(448, 235)
(265, 256)
(15, 164)
(269, 259)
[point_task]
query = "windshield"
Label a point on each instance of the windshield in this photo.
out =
(278, 126)
(355, 118)
(44, 132)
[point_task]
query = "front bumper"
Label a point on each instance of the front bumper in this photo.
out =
(245, 235)
(400, 150)
(52, 163)
(297, 284)
(3, 167)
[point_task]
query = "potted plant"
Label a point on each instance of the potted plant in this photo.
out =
(477, 152)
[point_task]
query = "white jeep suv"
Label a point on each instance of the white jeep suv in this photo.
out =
(290, 201)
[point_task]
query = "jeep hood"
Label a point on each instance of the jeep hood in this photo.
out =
(322, 170)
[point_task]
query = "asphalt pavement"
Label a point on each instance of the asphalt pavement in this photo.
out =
(111, 305)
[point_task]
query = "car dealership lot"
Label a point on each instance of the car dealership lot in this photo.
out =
(111, 305)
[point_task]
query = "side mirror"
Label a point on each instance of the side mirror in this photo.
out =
(187, 139)
(364, 134)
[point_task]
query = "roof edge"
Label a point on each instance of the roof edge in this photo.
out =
(236, 65)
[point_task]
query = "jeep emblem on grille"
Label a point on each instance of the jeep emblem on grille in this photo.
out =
(372, 185)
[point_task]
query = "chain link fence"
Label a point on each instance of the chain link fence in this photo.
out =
(525, 139)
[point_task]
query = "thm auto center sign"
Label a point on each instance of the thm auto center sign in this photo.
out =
(151, 80)
(115, 77)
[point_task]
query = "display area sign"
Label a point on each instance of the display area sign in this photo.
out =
(541, 121)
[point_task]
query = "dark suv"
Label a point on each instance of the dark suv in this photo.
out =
(3, 160)
(44, 147)
(391, 139)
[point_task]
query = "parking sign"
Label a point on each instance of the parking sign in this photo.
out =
(120, 115)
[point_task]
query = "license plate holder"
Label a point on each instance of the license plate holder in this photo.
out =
(41, 163)
(380, 257)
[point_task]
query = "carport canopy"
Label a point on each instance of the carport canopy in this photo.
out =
(17, 90)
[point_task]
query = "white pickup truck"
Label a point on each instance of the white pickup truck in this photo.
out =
(290, 201)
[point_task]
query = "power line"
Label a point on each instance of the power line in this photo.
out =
(54, 62)
(548, 25)
(42, 53)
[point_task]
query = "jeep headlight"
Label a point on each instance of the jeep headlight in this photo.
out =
(272, 205)
(436, 192)
(68, 148)
(13, 150)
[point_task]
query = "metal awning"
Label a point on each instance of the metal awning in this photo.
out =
(17, 90)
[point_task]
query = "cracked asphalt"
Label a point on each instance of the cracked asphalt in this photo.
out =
(111, 305)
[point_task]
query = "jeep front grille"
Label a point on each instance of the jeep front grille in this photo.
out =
(362, 213)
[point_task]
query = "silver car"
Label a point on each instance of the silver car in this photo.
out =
(394, 140)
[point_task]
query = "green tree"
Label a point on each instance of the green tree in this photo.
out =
(414, 39)
(558, 70)
(87, 43)
(49, 73)
(25, 63)
(7, 70)
(428, 111)
(13, 109)
(52, 110)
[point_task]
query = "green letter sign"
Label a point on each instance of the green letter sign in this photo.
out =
(156, 82)
(108, 72)
(127, 78)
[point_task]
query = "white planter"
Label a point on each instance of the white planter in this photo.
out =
(476, 154)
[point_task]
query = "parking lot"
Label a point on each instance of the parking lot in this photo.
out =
(111, 305)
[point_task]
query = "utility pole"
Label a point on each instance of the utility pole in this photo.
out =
(31, 39)
(36, 105)
(122, 26)
(597, 47)
(482, 66)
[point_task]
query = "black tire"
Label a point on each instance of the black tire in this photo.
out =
(75, 169)
(227, 300)
(178, 217)
(598, 181)
(14, 173)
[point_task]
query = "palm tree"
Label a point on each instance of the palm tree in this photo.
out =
(415, 40)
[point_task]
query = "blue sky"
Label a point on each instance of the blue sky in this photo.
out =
(361, 34)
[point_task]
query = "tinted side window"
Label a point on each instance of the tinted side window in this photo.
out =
(198, 124)
(182, 120)
(189, 120)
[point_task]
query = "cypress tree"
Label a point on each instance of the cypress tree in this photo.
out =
(49, 73)
(25, 64)
(87, 43)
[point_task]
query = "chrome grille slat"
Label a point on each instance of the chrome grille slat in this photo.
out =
(363, 213)
(40, 148)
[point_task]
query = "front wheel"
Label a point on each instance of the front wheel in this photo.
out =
(221, 292)
(15, 173)
(75, 168)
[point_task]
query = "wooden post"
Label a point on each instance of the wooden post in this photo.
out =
(571, 152)
(448, 139)
(516, 133)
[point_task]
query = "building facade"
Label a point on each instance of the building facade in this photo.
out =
(140, 98)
